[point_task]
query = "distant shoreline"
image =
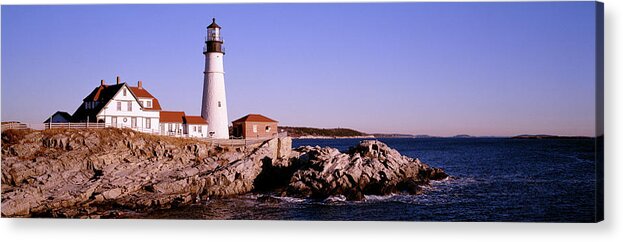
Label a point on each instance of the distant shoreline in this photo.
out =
(540, 136)
(335, 137)
(347, 133)
(547, 137)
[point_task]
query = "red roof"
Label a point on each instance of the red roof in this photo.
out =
(171, 117)
(195, 120)
(141, 92)
(255, 118)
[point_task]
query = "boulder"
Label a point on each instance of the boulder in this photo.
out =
(371, 167)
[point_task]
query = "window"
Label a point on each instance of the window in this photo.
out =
(129, 106)
(125, 92)
(86, 105)
(148, 104)
(267, 129)
(133, 124)
(148, 123)
(118, 106)
(200, 129)
(114, 121)
(195, 128)
(219, 104)
(255, 128)
(170, 128)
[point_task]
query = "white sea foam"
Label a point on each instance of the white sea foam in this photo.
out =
(334, 199)
(291, 199)
(379, 197)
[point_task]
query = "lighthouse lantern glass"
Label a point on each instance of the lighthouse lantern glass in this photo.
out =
(213, 34)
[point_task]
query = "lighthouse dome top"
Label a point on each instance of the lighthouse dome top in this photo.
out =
(214, 25)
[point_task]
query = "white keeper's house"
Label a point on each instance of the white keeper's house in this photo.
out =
(123, 106)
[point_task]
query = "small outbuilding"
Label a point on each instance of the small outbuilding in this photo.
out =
(254, 126)
(172, 123)
(60, 117)
(196, 126)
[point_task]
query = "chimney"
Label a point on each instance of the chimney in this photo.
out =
(140, 84)
(102, 83)
(118, 79)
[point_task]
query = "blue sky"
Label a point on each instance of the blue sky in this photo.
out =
(420, 68)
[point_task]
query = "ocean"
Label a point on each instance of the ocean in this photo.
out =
(494, 179)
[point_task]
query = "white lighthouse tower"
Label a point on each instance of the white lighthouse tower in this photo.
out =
(214, 103)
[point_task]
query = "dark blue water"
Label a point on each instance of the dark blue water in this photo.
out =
(496, 179)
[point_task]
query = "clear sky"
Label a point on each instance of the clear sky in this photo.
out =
(419, 68)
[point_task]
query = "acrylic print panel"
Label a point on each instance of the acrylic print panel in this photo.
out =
(377, 111)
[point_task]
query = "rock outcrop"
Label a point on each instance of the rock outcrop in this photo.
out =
(369, 168)
(97, 173)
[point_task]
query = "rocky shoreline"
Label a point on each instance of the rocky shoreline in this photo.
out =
(93, 173)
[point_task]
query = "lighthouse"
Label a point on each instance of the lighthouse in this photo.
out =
(214, 103)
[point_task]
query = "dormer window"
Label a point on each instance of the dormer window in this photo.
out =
(148, 104)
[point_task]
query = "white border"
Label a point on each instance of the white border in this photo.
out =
(186, 230)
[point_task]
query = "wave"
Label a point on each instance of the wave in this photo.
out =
(291, 199)
(335, 199)
(374, 198)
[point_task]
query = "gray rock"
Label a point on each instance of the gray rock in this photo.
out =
(68, 173)
(368, 168)
(112, 194)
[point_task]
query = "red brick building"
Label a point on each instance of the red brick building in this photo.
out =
(255, 126)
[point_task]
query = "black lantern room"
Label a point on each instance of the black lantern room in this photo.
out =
(214, 42)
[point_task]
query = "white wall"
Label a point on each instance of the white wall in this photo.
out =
(110, 110)
(213, 94)
(177, 129)
(200, 134)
